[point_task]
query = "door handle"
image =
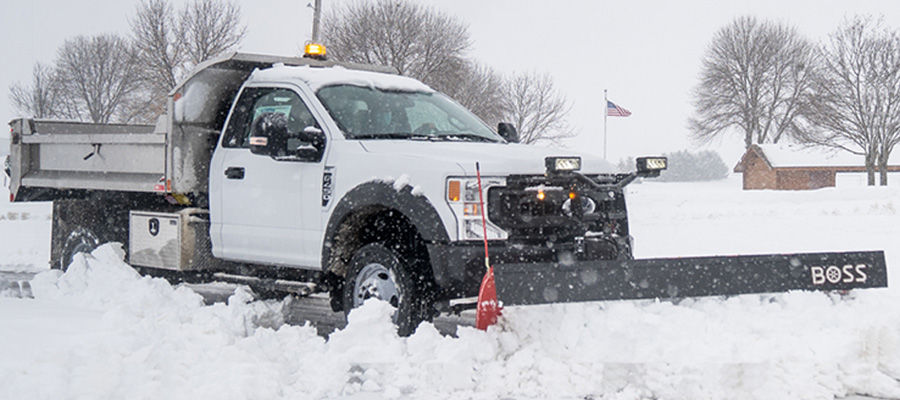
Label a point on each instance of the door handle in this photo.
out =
(234, 172)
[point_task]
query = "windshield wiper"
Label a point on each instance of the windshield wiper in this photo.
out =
(466, 136)
(411, 136)
(458, 136)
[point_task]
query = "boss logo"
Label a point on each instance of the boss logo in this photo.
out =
(834, 274)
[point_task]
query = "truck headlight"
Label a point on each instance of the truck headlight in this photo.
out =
(588, 205)
(462, 196)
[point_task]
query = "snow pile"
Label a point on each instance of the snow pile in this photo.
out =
(103, 281)
(144, 338)
(796, 345)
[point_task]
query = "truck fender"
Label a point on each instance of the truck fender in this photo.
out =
(416, 208)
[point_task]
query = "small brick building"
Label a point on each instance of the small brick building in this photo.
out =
(792, 167)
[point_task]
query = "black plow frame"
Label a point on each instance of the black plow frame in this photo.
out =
(540, 283)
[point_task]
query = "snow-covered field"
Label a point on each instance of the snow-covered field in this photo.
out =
(102, 331)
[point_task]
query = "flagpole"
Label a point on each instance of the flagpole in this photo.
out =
(605, 113)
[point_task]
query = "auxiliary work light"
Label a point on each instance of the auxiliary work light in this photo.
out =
(557, 165)
(650, 166)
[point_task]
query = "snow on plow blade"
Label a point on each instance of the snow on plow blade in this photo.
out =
(539, 283)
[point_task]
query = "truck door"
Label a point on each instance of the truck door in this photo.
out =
(262, 199)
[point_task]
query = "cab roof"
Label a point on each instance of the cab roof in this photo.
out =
(317, 77)
(204, 96)
(242, 64)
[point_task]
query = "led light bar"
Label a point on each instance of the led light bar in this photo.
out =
(562, 164)
(651, 163)
(651, 166)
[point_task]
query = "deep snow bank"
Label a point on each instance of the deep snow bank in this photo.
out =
(140, 337)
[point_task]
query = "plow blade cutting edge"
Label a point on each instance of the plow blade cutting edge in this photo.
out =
(540, 283)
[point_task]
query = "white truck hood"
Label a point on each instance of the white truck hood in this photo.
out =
(496, 159)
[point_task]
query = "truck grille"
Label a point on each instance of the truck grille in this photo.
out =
(538, 208)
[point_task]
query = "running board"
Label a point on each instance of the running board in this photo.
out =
(540, 283)
(295, 287)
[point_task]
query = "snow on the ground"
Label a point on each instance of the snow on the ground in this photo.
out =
(102, 331)
(24, 236)
(718, 218)
(24, 233)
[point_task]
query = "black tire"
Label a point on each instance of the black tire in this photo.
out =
(373, 269)
(81, 240)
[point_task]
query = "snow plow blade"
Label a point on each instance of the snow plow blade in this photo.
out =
(541, 283)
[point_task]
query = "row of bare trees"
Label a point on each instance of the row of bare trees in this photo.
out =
(91, 79)
(431, 46)
(108, 78)
(111, 78)
(766, 81)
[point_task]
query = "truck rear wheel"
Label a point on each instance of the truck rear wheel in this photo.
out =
(375, 271)
(81, 240)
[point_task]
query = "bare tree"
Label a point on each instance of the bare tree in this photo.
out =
(97, 75)
(169, 44)
(480, 89)
(40, 99)
(160, 47)
(856, 103)
(210, 28)
(430, 46)
(536, 108)
(419, 41)
(887, 61)
(753, 80)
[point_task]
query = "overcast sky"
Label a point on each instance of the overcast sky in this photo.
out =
(646, 53)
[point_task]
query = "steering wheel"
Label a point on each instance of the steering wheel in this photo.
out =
(427, 128)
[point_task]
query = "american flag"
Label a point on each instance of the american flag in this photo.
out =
(613, 110)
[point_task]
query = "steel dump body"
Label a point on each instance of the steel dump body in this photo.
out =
(74, 155)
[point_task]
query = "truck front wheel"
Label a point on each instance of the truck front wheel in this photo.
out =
(375, 271)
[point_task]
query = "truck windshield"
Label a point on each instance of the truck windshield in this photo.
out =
(368, 113)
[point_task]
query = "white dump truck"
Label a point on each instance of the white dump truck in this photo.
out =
(302, 175)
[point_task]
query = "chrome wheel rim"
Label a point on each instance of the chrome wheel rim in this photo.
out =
(376, 281)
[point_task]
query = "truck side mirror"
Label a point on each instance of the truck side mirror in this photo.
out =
(309, 145)
(268, 134)
(508, 131)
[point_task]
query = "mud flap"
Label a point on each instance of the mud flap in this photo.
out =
(540, 283)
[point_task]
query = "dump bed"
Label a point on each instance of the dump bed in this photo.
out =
(171, 157)
(75, 155)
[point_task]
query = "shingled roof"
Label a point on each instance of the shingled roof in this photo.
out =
(786, 155)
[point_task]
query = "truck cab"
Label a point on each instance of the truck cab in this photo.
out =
(353, 128)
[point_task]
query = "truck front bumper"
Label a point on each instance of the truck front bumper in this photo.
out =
(459, 266)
